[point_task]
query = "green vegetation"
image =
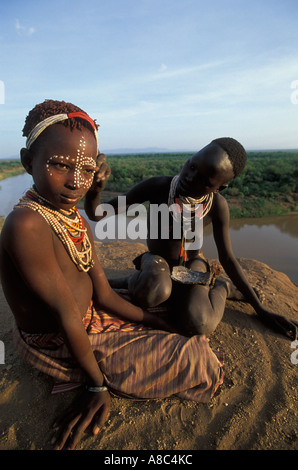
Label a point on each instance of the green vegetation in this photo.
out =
(267, 186)
(10, 168)
(127, 170)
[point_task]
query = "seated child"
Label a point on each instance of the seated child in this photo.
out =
(70, 323)
(199, 307)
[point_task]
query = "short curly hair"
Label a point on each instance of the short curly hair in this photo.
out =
(51, 108)
(236, 153)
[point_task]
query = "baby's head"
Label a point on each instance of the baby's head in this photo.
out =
(61, 150)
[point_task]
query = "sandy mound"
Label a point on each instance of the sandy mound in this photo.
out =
(256, 408)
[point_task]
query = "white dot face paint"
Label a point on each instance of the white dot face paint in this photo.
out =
(84, 167)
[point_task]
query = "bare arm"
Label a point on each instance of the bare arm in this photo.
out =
(108, 300)
(30, 247)
(29, 243)
(233, 269)
(221, 233)
(141, 192)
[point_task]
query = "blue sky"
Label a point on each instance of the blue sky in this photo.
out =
(154, 73)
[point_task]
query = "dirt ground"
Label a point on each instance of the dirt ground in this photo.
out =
(255, 409)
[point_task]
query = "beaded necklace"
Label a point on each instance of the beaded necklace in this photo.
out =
(188, 214)
(205, 200)
(67, 225)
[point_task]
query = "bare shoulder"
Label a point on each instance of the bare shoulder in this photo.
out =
(21, 224)
(220, 209)
(23, 218)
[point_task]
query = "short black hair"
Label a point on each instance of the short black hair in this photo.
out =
(51, 108)
(236, 153)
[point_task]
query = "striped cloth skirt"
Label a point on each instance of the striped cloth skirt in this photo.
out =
(137, 362)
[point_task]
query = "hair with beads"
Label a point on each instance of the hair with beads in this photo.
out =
(51, 108)
(236, 153)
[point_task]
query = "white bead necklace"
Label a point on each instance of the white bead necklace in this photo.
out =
(205, 200)
(66, 228)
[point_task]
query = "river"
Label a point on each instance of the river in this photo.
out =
(272, 240)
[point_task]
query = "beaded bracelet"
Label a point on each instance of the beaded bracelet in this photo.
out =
(101, 388)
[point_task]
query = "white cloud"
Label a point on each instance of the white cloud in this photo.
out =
(165, 73)
(163, 68)
(22, 30)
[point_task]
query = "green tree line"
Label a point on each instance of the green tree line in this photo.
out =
(267, 186)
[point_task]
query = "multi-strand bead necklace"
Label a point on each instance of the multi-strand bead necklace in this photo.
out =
(205, 200)
(189, 209)
(67, 225)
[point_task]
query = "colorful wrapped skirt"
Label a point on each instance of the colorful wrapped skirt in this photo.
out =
(137, 362)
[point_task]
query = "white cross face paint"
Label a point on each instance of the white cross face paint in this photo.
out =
(82, 177)
(84, 167)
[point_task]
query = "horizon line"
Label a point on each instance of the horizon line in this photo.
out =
(136, 151)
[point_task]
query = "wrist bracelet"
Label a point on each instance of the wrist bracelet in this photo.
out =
(101, 388)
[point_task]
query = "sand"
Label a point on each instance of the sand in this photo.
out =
(255, 409)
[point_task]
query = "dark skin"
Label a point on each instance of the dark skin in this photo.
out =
(57, 300)
(209, 170)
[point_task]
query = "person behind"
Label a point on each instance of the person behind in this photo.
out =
(199, 307)
(70, 323)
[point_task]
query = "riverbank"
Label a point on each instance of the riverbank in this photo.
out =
(256, 207)
(9, 168)
(255, 409)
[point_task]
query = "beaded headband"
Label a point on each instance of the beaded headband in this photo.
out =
(41, 126)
